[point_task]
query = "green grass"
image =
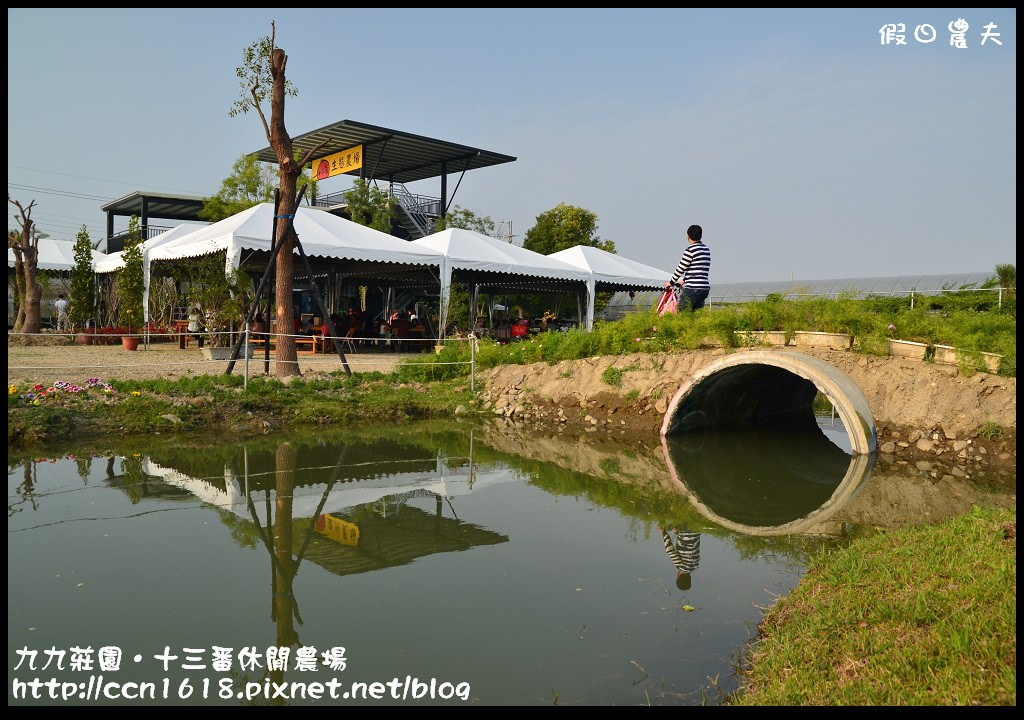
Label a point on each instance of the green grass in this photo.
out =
(612, 376)
(970, 324)
(150, 406)
(989, 430)
(923, 616)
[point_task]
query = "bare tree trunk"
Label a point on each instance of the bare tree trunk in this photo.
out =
(33, 299)
(287, 359)
(19, 282)
(26, 249)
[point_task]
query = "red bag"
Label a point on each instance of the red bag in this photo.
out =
(669, 302)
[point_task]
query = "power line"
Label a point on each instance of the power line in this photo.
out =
(87, 177)
(62, 193)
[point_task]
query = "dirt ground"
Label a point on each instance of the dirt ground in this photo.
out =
(62, 359)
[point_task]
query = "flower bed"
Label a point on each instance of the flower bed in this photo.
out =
(60, 391)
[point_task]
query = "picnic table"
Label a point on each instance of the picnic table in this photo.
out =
(181, 328)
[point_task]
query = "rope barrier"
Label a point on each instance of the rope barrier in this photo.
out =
(356, 359)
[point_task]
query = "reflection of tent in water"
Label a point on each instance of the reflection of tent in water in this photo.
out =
(363, 480)
(366, 538)
(765, 482)
(364, 504)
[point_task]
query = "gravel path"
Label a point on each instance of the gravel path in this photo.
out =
(76, 363)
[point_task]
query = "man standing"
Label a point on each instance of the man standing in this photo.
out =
(693, 269)
(61, 304)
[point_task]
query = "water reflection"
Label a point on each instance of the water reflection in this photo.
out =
(536, 568)
(683, 548)
(765, 482)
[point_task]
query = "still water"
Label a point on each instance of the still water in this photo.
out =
(468, 565)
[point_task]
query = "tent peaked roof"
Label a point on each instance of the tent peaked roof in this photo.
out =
(115, 261)
(55, 255)
(609, 269)
(322, 235)
(467, 250)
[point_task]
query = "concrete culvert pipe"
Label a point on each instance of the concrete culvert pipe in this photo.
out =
(764, 387)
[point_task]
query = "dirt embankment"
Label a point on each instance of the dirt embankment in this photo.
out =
(926, 415)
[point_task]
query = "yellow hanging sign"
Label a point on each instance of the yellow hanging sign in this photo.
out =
(339, 163)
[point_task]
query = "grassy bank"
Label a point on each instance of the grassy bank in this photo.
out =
(37, 415)
(924, 616)
(970, 323)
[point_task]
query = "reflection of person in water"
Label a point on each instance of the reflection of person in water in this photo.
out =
(684, 549)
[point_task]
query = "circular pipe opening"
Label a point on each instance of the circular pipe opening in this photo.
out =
(774, 389)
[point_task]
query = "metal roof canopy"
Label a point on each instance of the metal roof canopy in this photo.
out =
(148, 205)
(158, 205)
(392, 155)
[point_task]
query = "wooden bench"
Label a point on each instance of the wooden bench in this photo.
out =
(311, 341)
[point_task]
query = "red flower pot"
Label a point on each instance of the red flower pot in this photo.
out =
(130, 343)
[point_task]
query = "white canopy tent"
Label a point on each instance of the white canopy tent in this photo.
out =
(609, 271)
(321, 234)
(115, 261)
(55, 255)
(479, 260)
(360, 252)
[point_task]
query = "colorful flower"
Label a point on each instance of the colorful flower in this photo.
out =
(136, 393)
(12, 389)
(37, 387)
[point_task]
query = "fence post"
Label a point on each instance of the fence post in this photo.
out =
(1000, 297)
(911, 299)
(472, 362)
(245, 349)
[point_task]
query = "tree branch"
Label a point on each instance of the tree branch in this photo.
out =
(256, 104)
(308, 155)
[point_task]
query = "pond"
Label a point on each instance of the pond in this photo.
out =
(427, 563)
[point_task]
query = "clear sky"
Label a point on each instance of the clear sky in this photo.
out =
(804, 146)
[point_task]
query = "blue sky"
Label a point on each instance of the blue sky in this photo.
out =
(804, 146)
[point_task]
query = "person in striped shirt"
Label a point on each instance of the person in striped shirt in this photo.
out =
(691, 275)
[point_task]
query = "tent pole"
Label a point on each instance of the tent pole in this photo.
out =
(263, 283)
(323, 308)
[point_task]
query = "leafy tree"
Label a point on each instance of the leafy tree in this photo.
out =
(370, 206)
(130, 283)
(221, 297)
(1007, 274)
(563, 227)
(560, 228)
(83, 289)
(25, 244)
(263, 67)
(460, 217)
(251, 182)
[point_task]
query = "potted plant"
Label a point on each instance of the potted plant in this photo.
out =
(130, 284)
(83, 292)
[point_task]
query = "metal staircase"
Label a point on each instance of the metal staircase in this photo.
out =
(416, 213)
